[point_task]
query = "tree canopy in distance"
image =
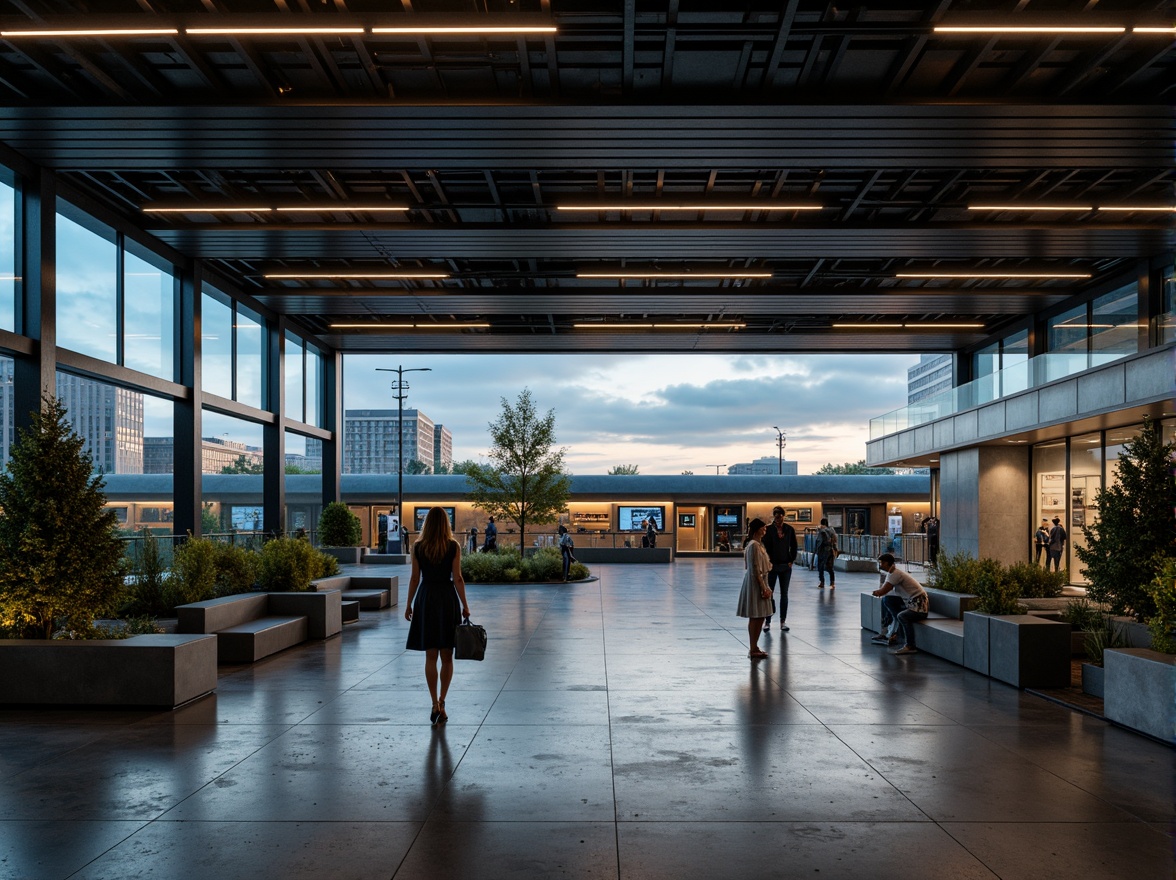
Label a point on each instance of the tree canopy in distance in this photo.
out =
(623, 470)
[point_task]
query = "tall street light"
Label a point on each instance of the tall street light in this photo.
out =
(781, 443)
(400, 389)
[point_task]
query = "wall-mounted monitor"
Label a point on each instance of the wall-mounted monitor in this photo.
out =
(686, 520)
(726, 520)
(629, 518)
(419, 514)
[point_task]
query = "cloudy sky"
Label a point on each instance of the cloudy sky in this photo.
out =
(664, 413)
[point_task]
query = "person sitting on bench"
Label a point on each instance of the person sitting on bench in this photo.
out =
(903, 602)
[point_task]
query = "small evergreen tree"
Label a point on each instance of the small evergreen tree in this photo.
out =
(339, 527)
(60, 556)
(1128, 545)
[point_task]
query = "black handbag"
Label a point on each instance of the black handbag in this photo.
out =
(469, 641)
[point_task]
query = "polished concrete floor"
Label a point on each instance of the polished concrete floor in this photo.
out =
(615, 730)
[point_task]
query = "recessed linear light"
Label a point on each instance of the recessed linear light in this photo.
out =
(270, 31)
(1171, 31)
(991, 275)
(1044, 29)
(673, 275)
(909, 326)
(97, 32)
(280, 209)
(409, 326)
(464, 30)
(395, 276)
(709, 325)
(655, 206)
(1167, 209)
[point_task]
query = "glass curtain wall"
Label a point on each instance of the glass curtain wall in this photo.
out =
(233, 349)
(1065, 337)
(1114, 325)
(295, 375)
(1167, 321)
(233, 460)
(87, 288)
(304, 484)
(8, 266)
(149, 306)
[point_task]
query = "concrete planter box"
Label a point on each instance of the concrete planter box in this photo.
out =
(345, 555)
(845, 563)
(593, 555)
(1092, 680)
(871, 612)
(147, 670)
(1138, 691)
(1078, 643)
(950, 604)
(1018, 649)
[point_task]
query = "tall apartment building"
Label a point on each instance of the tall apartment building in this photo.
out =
(931, 375)
(442, 448)
(369, 440)
(768, 464)
(216, 453)
(108, 418)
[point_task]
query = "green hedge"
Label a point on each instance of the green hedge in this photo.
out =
(290, 564)
(997, 585)
(507, 566)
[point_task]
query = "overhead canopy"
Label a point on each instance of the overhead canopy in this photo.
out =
(792, 160)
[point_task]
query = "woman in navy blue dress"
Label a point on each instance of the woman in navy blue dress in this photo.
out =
(436, 604)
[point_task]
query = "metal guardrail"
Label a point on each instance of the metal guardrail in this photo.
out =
(910, 549)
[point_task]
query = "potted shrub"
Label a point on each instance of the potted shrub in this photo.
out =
(340, 533)
(290, 564)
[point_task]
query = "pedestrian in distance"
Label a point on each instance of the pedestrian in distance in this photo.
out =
(1057, 545)
(566, 546)
(473, 539)
(755, 596)
(651, 533)
(826, 553)
(1041, 541)
(903, 602)
(491, 545)
(436, 605)
(780, 544)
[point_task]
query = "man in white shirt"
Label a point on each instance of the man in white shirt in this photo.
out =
(903, 602)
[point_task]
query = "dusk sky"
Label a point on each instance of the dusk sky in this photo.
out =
(664, 413)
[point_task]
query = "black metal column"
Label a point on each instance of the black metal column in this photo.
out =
(274, 433)
(187, 491)
(333, 422)
(36, 376)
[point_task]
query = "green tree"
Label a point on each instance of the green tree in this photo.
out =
(209, 521)
(525, 480)
(1128, 545)
(416, 466)
(458, 467)
(60, 556)
(626, 470)
(244, 465)
(853, 467)
(688, 473)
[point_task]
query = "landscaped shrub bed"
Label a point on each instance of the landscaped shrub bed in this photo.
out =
(507, 566)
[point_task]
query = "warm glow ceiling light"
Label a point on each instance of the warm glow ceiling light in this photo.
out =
(270, 31)
(97, 32)
(409, 326)
(323, 209)
(282, 209)
(673, 275)
(991, 275)
(1031, 207)
(464, 30)
(1162, 209)
(1170, 31)
(1046, 29)
(205, 209)
(709, 325)
(396, 276)
(910, 326)
(655, 206)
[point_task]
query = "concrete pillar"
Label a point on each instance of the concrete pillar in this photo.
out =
(984, 502)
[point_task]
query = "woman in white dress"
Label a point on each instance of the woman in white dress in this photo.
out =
(755, 597)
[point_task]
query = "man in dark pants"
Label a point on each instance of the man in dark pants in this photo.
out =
(780, 543)
(1057, 543)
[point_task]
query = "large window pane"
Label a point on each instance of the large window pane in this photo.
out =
(1116, 439)
(304, 484)
(1167, 320)
(1066, 344)
(232, 456)
(250, 353)
(87, 266)
(314, 378)
(149, 294)
(1085, 484)
(7, 257)
(216, 365)
(1114, 325)
(109, 419)
(294, 404)
(1014, 363)
(1049, 487)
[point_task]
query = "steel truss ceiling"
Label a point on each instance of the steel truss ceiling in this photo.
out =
(893, 133)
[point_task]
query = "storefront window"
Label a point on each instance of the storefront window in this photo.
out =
(1114, 325)
(87, 290)
(1049, 486)
(1085, 483)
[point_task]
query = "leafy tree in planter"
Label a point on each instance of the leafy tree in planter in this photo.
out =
(1132, 538)
(339, 527)
(60, 557)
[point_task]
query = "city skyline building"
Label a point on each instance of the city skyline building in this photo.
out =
(216, 453)
(766, 464)
(442, 448)
(370, 444)
(930, 376)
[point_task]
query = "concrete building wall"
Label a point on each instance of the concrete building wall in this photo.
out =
(983, 511)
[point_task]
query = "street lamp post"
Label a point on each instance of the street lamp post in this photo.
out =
(400, 387)
(781, 443)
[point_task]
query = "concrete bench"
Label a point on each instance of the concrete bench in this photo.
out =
(350, 611)
(250, 626)
(372, 592)
(147, 670)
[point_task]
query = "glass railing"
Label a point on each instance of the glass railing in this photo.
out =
(1013, 379)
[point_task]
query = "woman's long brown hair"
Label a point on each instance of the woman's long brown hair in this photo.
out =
(436, 536)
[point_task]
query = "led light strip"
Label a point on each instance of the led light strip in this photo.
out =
(654, 206)
(409, 326)
(395, 276)
(673, 275)
(271, 209)
(990, 275)
(277, 31)
(709, 325)
(1166, 209)
(1044, 29)
(909, 326)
